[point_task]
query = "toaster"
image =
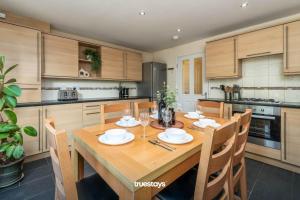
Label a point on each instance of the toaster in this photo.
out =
(68, 94)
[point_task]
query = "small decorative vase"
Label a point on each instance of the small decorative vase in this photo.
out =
(89, 57)
(161, 106)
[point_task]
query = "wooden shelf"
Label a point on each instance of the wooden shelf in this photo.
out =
(84, 60)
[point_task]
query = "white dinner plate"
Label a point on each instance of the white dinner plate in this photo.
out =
(127, 124)
(192, 117)
(163, 137)
(204, 125)
(128, 138)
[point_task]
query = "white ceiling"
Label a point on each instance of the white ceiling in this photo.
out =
(119, 22)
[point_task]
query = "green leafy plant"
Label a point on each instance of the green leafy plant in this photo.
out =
(11, 134)
(95, 58)
(167, 95)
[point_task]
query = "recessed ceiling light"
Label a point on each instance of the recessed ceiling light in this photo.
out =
(244, 4)
(178, 30)
(175, 37)
(142, 12)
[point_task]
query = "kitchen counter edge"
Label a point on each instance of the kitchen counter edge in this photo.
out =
(281, 104)
(56, 102)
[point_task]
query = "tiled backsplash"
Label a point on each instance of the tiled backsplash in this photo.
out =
(266, 72)
(86, 88)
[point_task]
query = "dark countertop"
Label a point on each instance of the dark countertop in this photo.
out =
(56, 102)
(281, 104)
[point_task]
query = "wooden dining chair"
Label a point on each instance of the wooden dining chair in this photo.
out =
(212, 108)
(66, 188)
(211, 180)
(238, 171)
(143, 106)
(113, 110)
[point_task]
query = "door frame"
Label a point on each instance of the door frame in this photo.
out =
(179, 93)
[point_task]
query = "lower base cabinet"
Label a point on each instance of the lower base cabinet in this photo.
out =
(67, 117)
(31, 116)
(290, 136)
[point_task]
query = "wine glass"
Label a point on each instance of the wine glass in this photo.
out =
(154, 109)
(198, 110)
(167, 116)
(144, 120)
(127, 115)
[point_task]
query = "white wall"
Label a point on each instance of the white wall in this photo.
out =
(170, 56)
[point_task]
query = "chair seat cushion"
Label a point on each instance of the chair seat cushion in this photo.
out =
(94, 187)
(184, 187)
(181, 189)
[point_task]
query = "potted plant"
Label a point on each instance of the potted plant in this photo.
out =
(166, 99)
(93, 56)
(11, 134)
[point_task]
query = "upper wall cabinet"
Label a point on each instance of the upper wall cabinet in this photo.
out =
(292, 48)
(221, 59)
(60, 56)
(260, 43)
(112, 63)
(133, 66)
(21, 46)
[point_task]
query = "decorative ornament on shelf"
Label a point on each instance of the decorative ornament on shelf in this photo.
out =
(11, 134)
(84, 73)
(166, 99)
(93, 56)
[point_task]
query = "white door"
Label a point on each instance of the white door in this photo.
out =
(189, 81)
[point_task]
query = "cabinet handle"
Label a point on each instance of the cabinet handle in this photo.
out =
(46, 135)
(92, 106)
(257, 54)
(39, 114)
(38, 56)
(29, 88)
(234, 49)
(286, 47)
(228, 113)
(92, 113)
(284, 136)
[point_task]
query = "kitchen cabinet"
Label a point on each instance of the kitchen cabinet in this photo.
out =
(91, 113)
(21, 46)
(113, 63)
(134, 66)
(263, 42)
(292, 48)
(31, 116)
(67, 117)
(290, 135)
(60, 56)
(30, 93)
(221, 59)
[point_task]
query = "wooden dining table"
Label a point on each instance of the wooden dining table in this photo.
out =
(122, 166)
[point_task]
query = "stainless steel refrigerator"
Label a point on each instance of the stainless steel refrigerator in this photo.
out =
(154, 75)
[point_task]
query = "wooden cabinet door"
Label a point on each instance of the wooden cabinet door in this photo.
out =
(60, 56)
(227, 111)
(67, 117)
(31, 116)
(290, 135)
(221, 59)
(292, 48)
(30, 93)
(21, 46)
(112, 63)
(91, 117)
(263, 42)
(134, 66)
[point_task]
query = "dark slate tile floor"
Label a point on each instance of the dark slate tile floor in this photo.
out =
(264, 182)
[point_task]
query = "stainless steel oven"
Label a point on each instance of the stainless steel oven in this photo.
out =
(265, 124)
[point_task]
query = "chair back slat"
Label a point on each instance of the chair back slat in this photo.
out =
(212, 108)
(61, 162)
(59, 191)
(214, 160)
(108, 112)
(143, 106)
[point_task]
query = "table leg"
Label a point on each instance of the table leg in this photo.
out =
(78, 164)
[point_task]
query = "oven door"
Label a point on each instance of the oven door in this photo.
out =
(265, 130)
